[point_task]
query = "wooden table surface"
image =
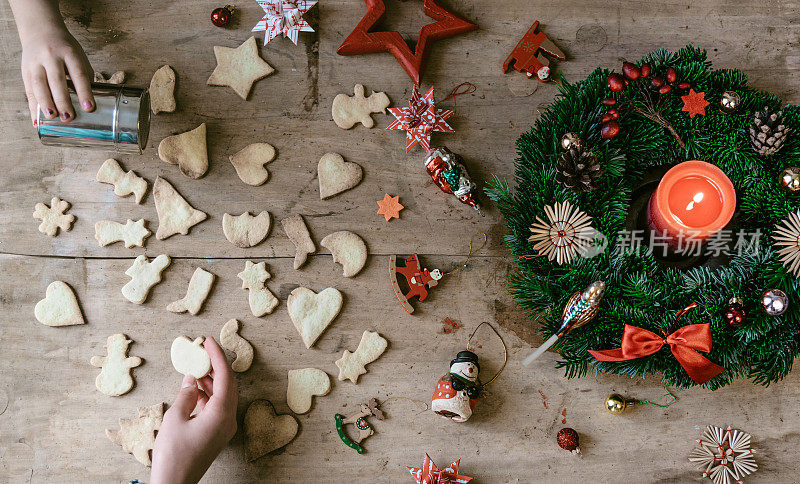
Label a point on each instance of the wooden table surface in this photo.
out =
(52, 419)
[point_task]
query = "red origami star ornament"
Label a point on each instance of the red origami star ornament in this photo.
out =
(694, 103)
(390, 207)
(420, 119)
(363, 40)
(429, 474)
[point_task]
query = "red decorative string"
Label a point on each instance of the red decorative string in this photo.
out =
(469, 88)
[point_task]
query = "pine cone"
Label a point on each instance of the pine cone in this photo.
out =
(767, 133)
(577, 169)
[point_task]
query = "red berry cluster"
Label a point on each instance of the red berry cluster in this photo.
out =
(636, 76)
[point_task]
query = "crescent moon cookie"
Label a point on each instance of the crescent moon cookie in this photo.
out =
(348, 249)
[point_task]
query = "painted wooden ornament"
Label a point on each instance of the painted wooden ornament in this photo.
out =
(457, 392)
(359, 421)
(450, 175)
(581, 308)
(364, 40)
(526, 56)
(418, 280)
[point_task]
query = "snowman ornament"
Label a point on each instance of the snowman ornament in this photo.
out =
(458, 391)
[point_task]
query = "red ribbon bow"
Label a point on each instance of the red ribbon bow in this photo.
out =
(684, 343)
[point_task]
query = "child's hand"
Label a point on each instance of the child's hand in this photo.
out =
(187, 444)
(45, 60)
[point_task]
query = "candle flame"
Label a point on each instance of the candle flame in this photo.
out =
(697, 198)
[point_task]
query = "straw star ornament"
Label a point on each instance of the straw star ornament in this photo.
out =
(567, 231)
(724, 455)
(787, 236)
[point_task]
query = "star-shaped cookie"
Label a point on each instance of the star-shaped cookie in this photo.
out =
(390, 207)
(239, 68)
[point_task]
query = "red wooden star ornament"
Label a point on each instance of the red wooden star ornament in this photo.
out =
(694, 103)
(363, 40)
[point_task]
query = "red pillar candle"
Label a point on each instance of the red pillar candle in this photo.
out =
(695, 199)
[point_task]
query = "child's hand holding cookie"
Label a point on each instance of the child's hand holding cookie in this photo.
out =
(187, 444)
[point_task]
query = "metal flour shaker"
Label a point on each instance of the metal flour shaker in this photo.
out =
(120, 121)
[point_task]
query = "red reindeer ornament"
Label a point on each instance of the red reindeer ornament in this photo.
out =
(526, 56)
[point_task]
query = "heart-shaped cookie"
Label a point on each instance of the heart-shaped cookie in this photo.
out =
(336, 175)
(303, 386)
(59, 306)
(189, 357)
(187, 150)
(250, 161)
(265, 431)
(311, 313)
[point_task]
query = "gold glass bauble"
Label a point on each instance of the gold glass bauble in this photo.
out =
(789, 179)
(616, 404)
(730, 102)
(570, 140)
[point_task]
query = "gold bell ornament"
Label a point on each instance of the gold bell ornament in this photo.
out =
(617, 404)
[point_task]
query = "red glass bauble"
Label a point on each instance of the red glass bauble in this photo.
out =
(734, 315)
(567, 439)
(221, 16)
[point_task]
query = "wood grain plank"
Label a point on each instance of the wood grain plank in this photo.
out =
(52, 425)
(56, 411)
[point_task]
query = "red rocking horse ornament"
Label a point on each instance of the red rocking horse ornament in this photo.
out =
(419, 280)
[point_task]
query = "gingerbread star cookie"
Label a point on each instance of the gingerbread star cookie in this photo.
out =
(239, 68)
